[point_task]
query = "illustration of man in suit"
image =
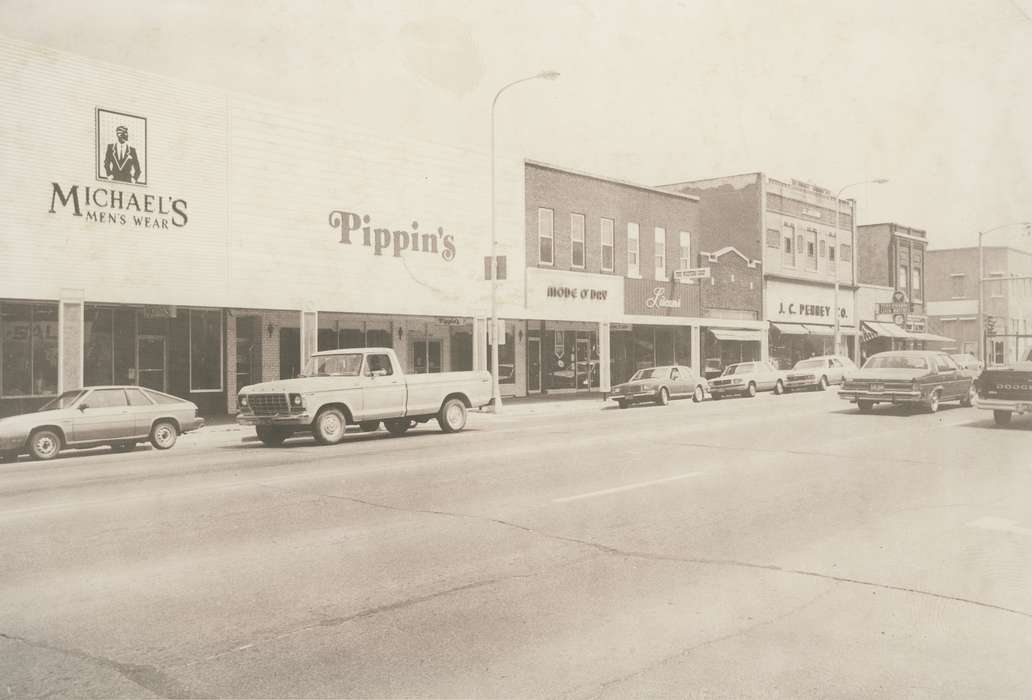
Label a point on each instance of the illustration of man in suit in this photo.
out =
(121, 162)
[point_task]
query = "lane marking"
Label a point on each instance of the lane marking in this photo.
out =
(1000, 525)
(628, 487)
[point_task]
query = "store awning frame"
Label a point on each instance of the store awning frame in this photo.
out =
(750, 336)
(885, 330)
(790, 328)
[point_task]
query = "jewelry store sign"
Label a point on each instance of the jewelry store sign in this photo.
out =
(659, 298)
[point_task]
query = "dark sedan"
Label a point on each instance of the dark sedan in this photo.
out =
(911, 378)
(659, 385)
(119, 416)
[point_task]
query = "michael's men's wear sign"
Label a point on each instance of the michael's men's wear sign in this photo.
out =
(120, 158)
(652, 298)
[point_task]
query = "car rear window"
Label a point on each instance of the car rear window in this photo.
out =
(137, 397)
(159, 397)
(897, 362)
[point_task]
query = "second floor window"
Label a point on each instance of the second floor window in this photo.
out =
(632, 250)
(660, 253)
(831, 253)
(915, 280)
(901, 279)
(686, 250)
(577, 240)
(607, 245)
(545, 236)
(957, 288)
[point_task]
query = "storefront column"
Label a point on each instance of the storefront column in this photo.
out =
(70, 339)
(479, 343)
(309, 336)
(696, 356)
(765, 345)
(604, 380)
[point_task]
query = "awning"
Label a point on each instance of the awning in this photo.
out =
(931, 337)
(874, 329)
(735, 334)
(790, 328)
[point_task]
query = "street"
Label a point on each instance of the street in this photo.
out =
(770, 547)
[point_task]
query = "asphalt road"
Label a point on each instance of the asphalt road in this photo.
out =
(769, 547)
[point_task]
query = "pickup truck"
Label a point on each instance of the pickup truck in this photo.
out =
(1006, 390)
(363, 387)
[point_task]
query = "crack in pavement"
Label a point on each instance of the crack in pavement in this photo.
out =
(147, 677)
(687, 651)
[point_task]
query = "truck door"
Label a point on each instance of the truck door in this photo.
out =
(383, 388)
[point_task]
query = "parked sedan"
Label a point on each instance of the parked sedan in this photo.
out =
(659, 385)
(119, 416)
(748, 378)
(969, 364)
(911, 378)
(819, 372)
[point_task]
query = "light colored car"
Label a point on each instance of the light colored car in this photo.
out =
(119, 416)
(969, 364)
(360, 386)
(747, 379)
(911, 378)
(659, 385)
(819, 372)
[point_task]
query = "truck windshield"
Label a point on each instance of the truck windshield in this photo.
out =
(334, 365)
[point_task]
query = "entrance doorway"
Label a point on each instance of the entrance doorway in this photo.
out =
(248, 350)
(150, 361)
(533, 364)
(289, 353)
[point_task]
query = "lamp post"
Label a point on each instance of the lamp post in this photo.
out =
(981, 284)
(876, 181)
(496, 393)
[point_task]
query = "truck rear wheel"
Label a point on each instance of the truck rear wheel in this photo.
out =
(329, 426)
(452, 416)
(1002, 417)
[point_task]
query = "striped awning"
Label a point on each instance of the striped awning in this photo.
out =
(931, 337)
(875, 329)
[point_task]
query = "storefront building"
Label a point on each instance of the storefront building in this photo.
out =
(195, 241)
(603, 298)
(805, 239)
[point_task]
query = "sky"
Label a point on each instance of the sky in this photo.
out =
(936, 96)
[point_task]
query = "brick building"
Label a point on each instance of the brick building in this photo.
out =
(805, 239)
(952, 300)
(600, 285)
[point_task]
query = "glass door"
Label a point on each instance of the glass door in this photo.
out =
(150, 361)
(534, 364)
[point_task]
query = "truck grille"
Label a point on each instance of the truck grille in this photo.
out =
(268, 404)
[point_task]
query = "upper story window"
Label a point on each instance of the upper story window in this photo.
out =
(831, 252)
(773, 238)
(811, 249)
(576, 240)
(632, 250)
(958, 284)
(607, 245)
(545, 236)
(915, 280)
(660, 253)
(901, 278)
(823, 248)
(686, 250)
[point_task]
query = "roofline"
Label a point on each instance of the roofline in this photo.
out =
(975, 248)
(894, 223)
(711, 179)
(625, 183)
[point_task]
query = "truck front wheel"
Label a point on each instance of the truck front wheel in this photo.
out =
(452, 416)
(271, 436)
(329, 426)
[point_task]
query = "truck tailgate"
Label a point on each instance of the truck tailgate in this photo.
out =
(1011, 384)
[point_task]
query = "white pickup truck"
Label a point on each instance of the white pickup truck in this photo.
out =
(364, 387)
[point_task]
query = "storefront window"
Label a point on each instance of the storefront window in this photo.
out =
(29, 338)
(461, 349)
(683, 346)
(205, 350)
(99, 348)
(644, 350)
(664, 345)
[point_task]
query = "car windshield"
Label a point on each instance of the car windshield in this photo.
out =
(897, 362)
(65, 400)
(965, 359)
(334, 366)
(644, 374)
(809, 364)
(738, 369)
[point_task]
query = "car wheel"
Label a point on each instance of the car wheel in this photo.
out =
(750, 390)
(698, 395)
(452, 416)
(163, 435)
(779, 388)
(271, 437)
(969, 397)
(397, 426)
(622, 403)
(44, 444)
(123, 446)
(369, 426)
(329, 426)
(822, 384)
(663, 397)
(865, 406)
(1002, 417)
(932, 404)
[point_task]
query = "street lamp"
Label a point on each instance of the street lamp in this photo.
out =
(981, 284)
(495, 389)
(876, 181)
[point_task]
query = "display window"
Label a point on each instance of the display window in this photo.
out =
(28, 349)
